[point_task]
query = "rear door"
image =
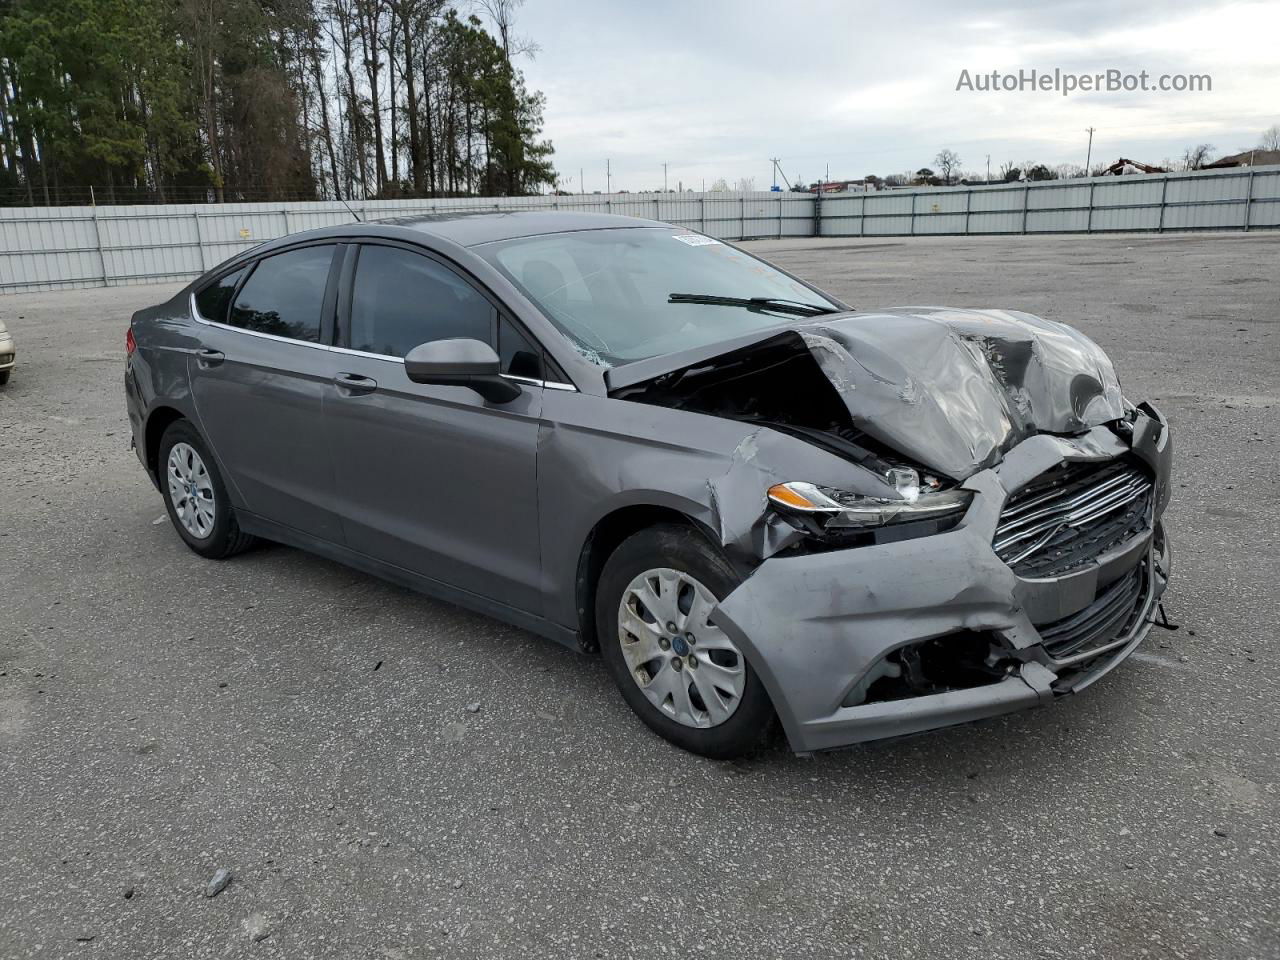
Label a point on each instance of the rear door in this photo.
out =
(260, 380)
(434, 479)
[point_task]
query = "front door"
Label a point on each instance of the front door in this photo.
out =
(433, 479)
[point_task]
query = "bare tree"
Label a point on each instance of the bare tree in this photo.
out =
(1270, 138)
(503, 15)
(948, 164)
(1196, 157)
(745, 185)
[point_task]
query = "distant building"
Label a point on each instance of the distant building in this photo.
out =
(841, 186)
(1249, 158)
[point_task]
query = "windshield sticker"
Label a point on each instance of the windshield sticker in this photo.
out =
(693, 240)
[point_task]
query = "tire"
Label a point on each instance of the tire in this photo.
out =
(686, 561)
(219, 538)
(4, 376)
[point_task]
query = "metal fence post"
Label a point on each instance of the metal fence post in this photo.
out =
(702, 213)
(742, 218)
(97, 232)
(968, 204)
(1248, 200)
(1026, 199)
(1164, 190)
(1088, 220)
(912, 230)
(284, 211)
(200, 242)
(817, 214)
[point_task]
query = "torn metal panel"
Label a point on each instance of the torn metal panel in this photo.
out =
(706, 468)
(951, 390)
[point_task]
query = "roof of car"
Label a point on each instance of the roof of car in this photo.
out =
(469, 229)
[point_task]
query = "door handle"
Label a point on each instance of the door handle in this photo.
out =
(210, 358)
(353, 384)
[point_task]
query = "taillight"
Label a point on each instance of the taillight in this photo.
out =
(130, 344)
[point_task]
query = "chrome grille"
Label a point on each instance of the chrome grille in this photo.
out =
(1111, 616)
(1072, 515)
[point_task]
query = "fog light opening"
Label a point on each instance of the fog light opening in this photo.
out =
(954, 661)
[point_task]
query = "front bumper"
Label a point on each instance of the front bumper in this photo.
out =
(813, 625)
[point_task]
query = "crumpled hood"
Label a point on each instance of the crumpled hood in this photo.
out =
(953, 389)
(950, 389)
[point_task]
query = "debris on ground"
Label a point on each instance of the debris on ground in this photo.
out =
(218, 882)
(473, 707)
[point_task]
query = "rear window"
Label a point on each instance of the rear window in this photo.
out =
(284, 295)
(213, 300)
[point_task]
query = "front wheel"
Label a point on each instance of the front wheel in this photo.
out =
(681, 674)
(195, 496)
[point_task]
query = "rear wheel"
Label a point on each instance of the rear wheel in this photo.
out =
(681, 674)
(4, 376)
(195, 496)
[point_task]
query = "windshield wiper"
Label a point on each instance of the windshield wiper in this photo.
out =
(797, 307)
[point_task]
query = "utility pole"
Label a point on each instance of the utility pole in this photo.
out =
(608, 177)
(582, 185)
(664, 177)
(988, 168)
(774, 161)
(1089, 155)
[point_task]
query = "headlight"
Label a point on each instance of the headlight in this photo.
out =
(825, 508)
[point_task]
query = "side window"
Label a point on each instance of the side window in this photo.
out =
(519, 356)
(213, 300)
(285, 294)
(401, 299)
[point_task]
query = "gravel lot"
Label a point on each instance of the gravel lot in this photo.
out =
(304, 726)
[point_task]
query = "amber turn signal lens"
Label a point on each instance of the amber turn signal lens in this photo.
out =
(783, 494)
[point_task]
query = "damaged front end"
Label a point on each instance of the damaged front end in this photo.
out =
(994, 542)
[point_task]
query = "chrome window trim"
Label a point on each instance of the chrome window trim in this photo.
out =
(199, 318)
(195, 313)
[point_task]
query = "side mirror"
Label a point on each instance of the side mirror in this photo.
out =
(460, 363)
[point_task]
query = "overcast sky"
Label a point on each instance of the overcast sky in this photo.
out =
(716, 87)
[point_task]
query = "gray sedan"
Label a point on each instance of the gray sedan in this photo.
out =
(763, 508)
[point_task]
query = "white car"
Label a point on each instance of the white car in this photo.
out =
(8, 353)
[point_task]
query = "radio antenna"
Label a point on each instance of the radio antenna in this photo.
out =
(350, 211)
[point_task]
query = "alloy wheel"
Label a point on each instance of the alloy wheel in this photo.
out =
(191, 490)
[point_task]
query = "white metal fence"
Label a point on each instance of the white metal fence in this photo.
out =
(1234, 199)
(53, 248)
(58, 248)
